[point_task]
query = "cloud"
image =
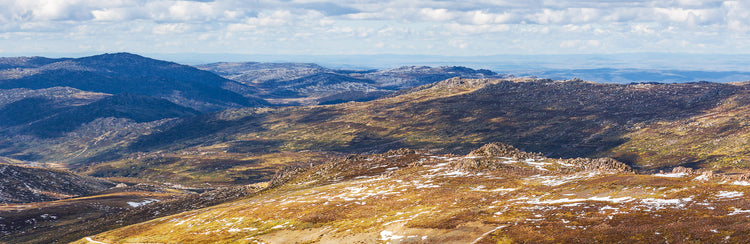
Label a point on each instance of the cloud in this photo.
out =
(578, 25)
(172, 28)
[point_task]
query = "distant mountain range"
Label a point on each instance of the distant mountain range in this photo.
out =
(308, 84)
(624, 76)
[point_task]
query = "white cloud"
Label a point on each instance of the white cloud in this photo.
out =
(172, 28)
(579, 25)
(438, 15)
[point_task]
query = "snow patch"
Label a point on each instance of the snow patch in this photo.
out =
(671, 175)
(658, 203)
(576, 200)
(738, 211)
(142, 203)
(93, 241)
(389, 236)
(730, 194)
(701, 178)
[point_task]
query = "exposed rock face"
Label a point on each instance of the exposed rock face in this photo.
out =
(608, 165)
(683, 170)
(493, 157)
(502, 150)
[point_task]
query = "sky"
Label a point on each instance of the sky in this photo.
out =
(367, 27)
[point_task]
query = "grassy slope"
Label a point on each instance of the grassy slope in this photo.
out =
(415, 196)
(718, 139)
(560, 119)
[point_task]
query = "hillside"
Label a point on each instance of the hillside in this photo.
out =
(558, 118)
(20, 184)
(494, 194)
(129, 73)
(67, 220)
(38, 116)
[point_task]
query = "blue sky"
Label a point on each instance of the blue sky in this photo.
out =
(412, 27)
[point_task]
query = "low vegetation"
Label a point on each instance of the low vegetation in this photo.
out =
(416, 196)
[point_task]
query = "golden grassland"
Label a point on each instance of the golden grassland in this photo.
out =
(414, 196)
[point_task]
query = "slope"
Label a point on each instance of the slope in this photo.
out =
(494, 194)
(26, 184)
(129, 73)
(126, 106)
(559, 118)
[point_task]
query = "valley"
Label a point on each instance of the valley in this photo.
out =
(121, 148)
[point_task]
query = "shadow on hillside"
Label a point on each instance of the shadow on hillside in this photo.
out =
(193, 131)
(563, 119)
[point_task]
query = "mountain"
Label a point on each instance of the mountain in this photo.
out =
(629, 75)
(20, 184)
(310, 84)
(495, 194)
(412, 76)
(256, 73)
(559, 118)
(129, 73)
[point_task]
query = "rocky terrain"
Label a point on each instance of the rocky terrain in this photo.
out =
(20, 184)
(412, 154)
(494, 194)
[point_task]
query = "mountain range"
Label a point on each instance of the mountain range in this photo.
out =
(144, 150)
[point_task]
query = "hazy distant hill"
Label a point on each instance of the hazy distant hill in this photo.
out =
(622, 76)
(307, 84)
(255, 73)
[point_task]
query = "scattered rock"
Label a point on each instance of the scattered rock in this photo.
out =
(502, 150)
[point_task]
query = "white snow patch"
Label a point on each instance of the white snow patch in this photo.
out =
(93, 241)
(658, 203)
(389, 236)
(144, 202)
(559, 180)
(741, 183)
(730, 194)
(503, 190)
(671, 175)
(576, 200)
(564, 164)
(701, 178)
(454, 173)
(738, 211)
(427, 185)
(478, 188)
(537, 165)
